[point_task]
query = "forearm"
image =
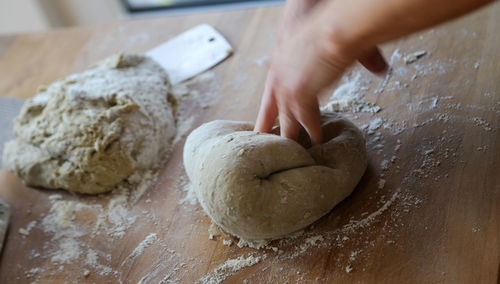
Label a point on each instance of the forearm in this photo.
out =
(353, 26)
(295, 12)
(296, 9)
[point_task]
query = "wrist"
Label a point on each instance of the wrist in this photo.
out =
(333, 43)
(338, 36)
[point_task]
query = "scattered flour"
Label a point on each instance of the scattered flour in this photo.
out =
(72, 224)
(482, 123)
(312, 240)
(374, 125)
(412, 57)
(68, 251)
(190, 194)
(308, 242)
(187, 90)
(33, 272)
(384, 165)
(60, 221)
(256, 244)
(92, 261)
(353, 225)
(148, 241)
(396, 55)
(381, 183)
(26, 231)
(183, 128)
(349, 97)
(213, 231)
(224, 270)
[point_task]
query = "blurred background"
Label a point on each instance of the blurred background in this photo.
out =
(17, 16)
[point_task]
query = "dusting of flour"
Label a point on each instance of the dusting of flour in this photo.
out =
(219, 274)
(349, 97)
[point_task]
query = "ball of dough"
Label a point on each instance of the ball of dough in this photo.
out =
(90, 131)
(263, 186)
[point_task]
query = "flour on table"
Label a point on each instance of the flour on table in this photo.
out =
(412, 57)
(187, 187)
(374, 125)
(148, 241)
(92, 261)
(69, 235)
(349, 97)
(69, 251)
(367, 220)
(183, 128)
(223, 271)
(482, 123)
(33, 272)
(312, 240)
(26, 231)
(213, 231)
(256, 244)
(381, 183)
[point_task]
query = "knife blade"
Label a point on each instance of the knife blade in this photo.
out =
(191, 52)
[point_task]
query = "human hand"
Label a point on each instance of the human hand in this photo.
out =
(295, 11)
(303, 63)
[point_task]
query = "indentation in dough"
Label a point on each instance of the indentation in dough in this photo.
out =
(263, 186)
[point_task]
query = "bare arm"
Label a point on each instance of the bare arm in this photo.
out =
(360, 24)
(326, 39)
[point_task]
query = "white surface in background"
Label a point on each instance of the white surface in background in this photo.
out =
(205, 8)
(22, 16)
(191, 52)
(9, 109)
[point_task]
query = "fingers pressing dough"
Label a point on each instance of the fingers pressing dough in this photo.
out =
(263, 186)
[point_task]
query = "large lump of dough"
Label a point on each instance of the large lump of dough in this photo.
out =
(262, 186)
(90, 131)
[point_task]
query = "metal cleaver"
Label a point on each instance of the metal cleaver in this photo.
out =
(191, 52)
(183, 56)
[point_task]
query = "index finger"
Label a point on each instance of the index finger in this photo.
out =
(268, 109)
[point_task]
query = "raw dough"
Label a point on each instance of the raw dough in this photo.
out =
(90, 131)
(262, 186)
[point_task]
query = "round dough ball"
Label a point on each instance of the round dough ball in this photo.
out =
(263, 186)
(90, 131)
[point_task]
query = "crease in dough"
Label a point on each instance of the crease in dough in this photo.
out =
(262, 186)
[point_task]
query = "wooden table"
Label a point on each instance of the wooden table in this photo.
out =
(436, 219)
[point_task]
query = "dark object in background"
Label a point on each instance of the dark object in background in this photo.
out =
(133, 6)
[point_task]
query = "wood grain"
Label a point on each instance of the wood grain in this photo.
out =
(441, 227)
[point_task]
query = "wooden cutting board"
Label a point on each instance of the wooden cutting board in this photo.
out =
(436, 146)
